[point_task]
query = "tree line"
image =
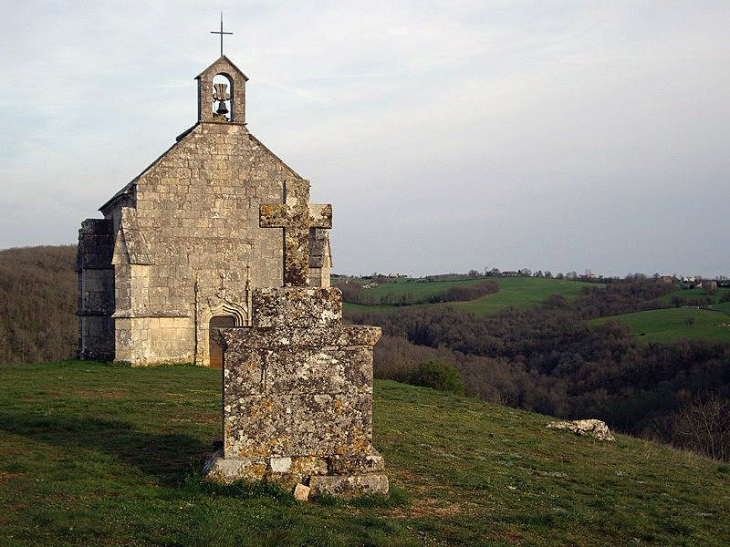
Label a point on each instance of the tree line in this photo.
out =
(38, 287)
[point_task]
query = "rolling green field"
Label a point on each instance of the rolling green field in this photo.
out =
(715, 298)
(521, 293)
(419, 287)
(514, 292)
(672, 324)
(95, 454)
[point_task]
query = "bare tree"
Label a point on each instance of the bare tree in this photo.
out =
(704, 426)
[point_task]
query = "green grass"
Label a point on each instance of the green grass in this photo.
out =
(523, 292)
(666, 299)
(673, 324)
(94, 454)
(420, 287)
(514, 292)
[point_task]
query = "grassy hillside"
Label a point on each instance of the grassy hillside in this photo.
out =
(514, 292)
(419, 286)
(94, 454)
(672, 324)
(701, 297)
(523, 292)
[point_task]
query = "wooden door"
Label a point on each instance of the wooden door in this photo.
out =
(215, 349)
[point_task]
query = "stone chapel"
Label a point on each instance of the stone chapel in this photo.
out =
(182, 246)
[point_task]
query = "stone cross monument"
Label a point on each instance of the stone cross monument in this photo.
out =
(297, 384)
(297, 216)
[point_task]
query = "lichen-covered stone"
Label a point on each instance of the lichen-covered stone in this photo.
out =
(349, 486)
(296, 307)
(230, 470)
(298, 218)
(349, 464)
(307, 466)
(299, 393)
(592, 428)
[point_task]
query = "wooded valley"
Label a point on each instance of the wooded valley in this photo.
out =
(551, 359)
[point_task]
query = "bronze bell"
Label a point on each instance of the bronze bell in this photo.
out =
(222, 110)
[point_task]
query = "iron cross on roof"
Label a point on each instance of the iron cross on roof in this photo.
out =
(221, 33)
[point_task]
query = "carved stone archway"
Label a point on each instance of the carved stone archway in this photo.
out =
(240, 319)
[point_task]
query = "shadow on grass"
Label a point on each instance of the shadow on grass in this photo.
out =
(167, 456)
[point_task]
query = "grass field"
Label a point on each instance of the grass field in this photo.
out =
(666, 300)
(514, 292)
(419, 287)
(672, 324)
(94, 454)
(523, 292)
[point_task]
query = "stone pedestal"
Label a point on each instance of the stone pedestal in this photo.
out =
(297, 397)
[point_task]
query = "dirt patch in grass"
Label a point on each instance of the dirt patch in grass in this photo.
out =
(92, 394)
(6, 476)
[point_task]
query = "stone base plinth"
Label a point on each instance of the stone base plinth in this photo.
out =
(349, 486)
(342, 476)
(297, 398)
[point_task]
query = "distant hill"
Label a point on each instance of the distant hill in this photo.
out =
(38, 288)
(114, 458)
(509, 292)
(674, 324)
(672, 317)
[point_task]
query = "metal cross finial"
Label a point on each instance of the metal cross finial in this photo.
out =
(221, 33)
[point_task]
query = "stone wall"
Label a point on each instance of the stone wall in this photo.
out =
(193, 241)
(145, 340)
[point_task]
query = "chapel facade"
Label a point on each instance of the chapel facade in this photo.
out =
(182, 246)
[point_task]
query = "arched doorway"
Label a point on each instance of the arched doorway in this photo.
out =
(216, 351)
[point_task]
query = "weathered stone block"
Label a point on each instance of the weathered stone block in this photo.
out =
(349, 486)
(309, 465)
(355, 464)
(332, 423)
(296, 307)
(230, 470)
(256, 425)
(301, 492)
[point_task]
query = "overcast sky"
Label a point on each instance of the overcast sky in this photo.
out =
(448, 135)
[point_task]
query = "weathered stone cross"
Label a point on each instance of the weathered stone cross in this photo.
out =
(297, 216)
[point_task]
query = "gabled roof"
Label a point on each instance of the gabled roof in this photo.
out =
(127, 189)
(225, 60)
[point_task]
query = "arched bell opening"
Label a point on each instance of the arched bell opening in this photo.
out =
(222, 93)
